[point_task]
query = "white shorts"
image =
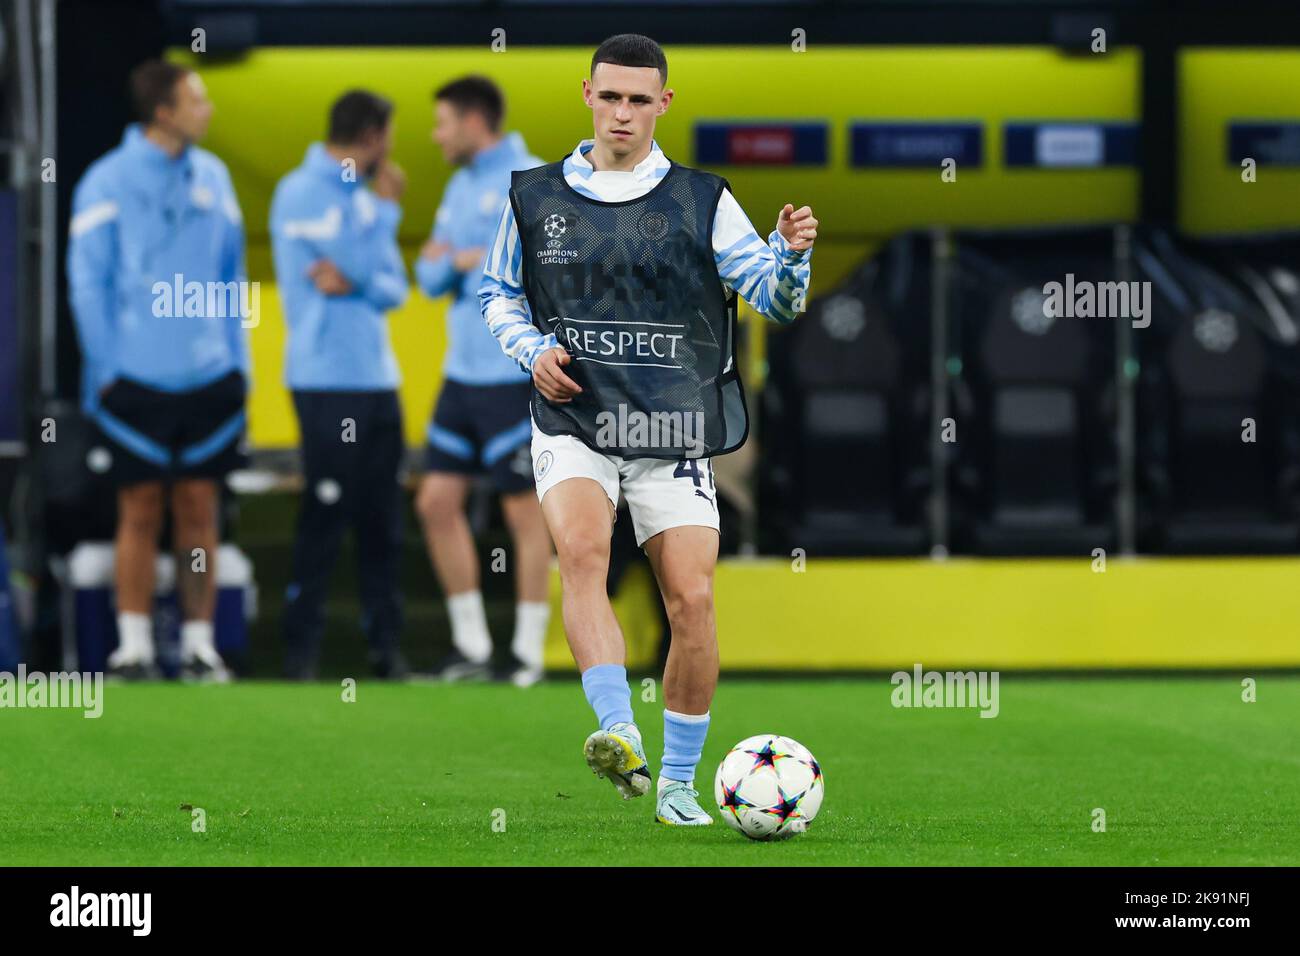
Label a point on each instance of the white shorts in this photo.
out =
(660, 494)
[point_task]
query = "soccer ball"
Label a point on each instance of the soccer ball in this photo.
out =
(769, 787)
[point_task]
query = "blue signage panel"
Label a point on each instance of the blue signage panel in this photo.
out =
(916, 145)
(1070, 144)
(1268, 144)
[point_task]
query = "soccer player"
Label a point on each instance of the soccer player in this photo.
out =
(613, 279)
(340, 271)
(480, 422)
(165, 386)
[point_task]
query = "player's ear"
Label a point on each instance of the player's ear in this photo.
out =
(586, 91)
(664, 101)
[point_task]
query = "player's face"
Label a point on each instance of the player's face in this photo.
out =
(625, 101)
(188, 117)
(376, 145)
(452, 133)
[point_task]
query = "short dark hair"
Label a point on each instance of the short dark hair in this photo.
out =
(631, 49)
(356, 113)
(153, 84)
(476, 94)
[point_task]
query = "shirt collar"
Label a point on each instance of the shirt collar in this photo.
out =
(321, 162)
(506, 148)
(645, 169)
(146, 150)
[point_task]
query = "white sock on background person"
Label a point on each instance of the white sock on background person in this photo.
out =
(197, 641)
(469, 628)
(134, 638)
(531, 618)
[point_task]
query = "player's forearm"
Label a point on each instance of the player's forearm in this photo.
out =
(436, 277)
(360, 255)
(507, 318)
(387, 288)
(793, 275)
(773, 279)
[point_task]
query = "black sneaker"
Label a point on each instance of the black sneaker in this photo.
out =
(457, 667)
(133, 671)
(518, 673)
(390, 666)
(196, 670)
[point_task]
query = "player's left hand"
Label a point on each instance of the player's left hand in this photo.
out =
(798, 227)
(328, 279)
(432, 250)
(466, 260)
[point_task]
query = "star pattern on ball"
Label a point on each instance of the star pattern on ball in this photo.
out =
(555, 225)
(767, 757)
(787, 807)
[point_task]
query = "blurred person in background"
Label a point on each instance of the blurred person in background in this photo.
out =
(164, 375)
(481, 420)
(334, 226)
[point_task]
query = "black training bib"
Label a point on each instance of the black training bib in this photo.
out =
(632, 292)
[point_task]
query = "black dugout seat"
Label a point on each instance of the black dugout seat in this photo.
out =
(845, 413)
(1218, 437)
(1033, 398)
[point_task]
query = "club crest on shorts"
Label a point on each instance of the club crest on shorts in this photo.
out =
(544, 462)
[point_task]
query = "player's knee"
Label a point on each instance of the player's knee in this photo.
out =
(690, 605)
(140, 511)
(194, 507)
(583, 554)
(436, 507)
(524, 516)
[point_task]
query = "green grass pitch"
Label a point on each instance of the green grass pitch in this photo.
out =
(1186, 772)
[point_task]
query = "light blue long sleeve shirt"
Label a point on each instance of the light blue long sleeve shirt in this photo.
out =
(337, 342)
(772, 277)
(145, 228)
(467, 218)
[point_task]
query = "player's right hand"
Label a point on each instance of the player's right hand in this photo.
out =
(389, 182)
(329, 280)
(549, 377)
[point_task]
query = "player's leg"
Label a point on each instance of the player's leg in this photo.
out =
(139, 522)
(136, 423)
(194, 514)
(377, 520)
(683, 559)
(504, 425)
(512, 474)
(532, 567)
(440, 505)
(451, 458)
(209, 426)
(580, 517)
(322, 519)
(578, 488)
(674, 512)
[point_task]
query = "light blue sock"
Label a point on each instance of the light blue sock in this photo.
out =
(608, 693)
(683, 744)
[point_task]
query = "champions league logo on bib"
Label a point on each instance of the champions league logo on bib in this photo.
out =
(555, 228)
